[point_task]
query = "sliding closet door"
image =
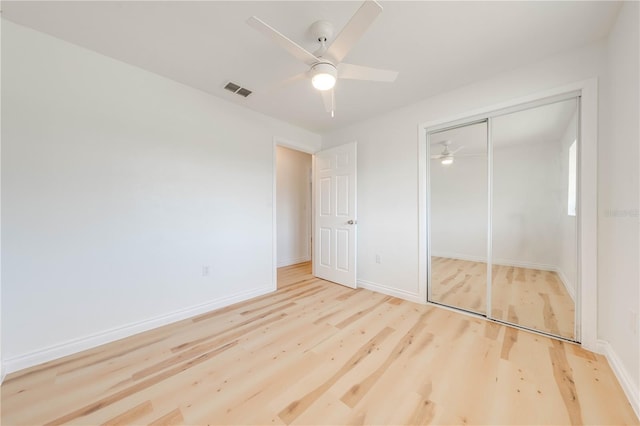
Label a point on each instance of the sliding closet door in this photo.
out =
(534, 244)
(458, 217)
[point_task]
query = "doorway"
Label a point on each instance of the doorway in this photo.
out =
(293, 202)
(315, 211)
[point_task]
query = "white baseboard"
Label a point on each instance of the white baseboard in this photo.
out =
(293, 261)
(73, 346)
(625, 379)
(567, 284)
(380, 288)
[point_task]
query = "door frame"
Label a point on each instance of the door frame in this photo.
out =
(279, 141)
(587, 226)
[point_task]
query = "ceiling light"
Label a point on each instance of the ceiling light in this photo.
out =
(323, 76)
(446, 160)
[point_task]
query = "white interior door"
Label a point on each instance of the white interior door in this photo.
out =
(335, 215)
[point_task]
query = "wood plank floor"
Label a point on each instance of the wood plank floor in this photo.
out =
(528, 297)
(318, 353)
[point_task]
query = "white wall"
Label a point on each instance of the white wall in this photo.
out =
(118, 187)
(293, 206)
(618, 230)
(388, 161)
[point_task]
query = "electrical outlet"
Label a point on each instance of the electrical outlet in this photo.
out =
(377, 258)
(205, 270)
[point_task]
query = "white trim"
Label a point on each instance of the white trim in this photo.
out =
(489, 285)
(625, 379)
(567, 285)
(313, 214)
(424, 201)
(587, 284)
(293, 261)
(274, 216)
(296, 146)
(73, 346)
(587, 295)
(507, 107)
(390, 291)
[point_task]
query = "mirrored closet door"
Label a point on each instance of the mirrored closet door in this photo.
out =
(459, 208)
(503, 213)
(534, 218)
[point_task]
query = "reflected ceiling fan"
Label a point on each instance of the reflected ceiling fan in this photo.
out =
(446, 156)
(325, 64)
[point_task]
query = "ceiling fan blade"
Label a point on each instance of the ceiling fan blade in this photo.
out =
(280, 84)
(456, 150)
(435, 157)
(358, 72)
(354, 29)
(281, 40)
(329, 99)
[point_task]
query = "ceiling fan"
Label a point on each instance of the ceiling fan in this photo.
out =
(446, 156)
(326, 62)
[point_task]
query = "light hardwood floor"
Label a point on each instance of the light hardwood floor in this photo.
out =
(318, 353)
(528, 297)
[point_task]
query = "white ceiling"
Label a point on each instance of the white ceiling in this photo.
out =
(436, 46)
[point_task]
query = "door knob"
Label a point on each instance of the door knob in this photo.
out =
(352, 222)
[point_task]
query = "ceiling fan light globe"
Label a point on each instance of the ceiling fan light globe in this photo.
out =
(446, 161)
(323, 81)
(323, 76)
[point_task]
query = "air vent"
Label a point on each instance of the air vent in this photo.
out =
(232, 87)
(243, 92)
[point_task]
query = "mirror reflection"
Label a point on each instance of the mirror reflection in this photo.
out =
(534, 244)
(534, 174)
(458, 199)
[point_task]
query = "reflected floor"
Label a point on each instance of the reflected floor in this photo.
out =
(459, 283)
(529, 297)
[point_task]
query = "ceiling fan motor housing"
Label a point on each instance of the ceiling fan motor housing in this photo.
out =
(321, 30)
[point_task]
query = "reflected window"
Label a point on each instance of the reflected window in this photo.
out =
(571, 210)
